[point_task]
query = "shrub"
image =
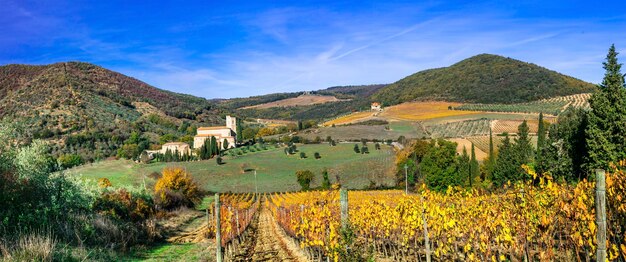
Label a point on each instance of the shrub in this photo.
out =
(305, 177)
(155, 175)
(124, 205)
(356, 149)
(219, 160)
(69, 160)
(302, 155)
(104, 182)
(326, 180)
(317, 155)
(365, 150)
(377, 146)
(176, 188)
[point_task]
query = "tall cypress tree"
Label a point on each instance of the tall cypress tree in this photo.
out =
(541, 142)
(474, 172)
(239, 131)
(523, 146)
(215, 147)
(492, 156)
(507, 166)
(209, 147)
(465, 167)
(606, 129)
(541, 135)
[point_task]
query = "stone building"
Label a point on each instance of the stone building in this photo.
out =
(228, 132)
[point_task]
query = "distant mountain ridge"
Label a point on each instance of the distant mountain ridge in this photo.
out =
(484, 79)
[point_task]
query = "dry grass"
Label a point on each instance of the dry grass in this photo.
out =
(303, 100)
(351, 118)
(510, 126)
(416, 111)
(31, 247)
(461, 142)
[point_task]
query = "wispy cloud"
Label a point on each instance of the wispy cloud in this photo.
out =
(234, 52)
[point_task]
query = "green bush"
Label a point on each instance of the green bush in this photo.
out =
(70, 160)
(305, 177)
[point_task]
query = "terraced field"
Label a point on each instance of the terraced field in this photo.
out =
(460, 129)
(417, 111)
(380, 132)
(552, 106)
(302, 100)
(351, 118)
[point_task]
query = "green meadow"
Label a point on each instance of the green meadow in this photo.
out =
(275, 170)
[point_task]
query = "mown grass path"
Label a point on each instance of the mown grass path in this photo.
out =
(272, 244)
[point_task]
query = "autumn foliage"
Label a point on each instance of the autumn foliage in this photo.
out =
(176, 188)
(539, 220)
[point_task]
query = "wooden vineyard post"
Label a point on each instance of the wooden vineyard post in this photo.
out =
(218, 233)
(601, 215)
(426, 239)
(343, 200)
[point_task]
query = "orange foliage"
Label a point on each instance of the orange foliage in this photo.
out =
(104, 182)
(176, 188)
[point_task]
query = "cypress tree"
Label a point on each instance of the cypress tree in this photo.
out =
(474, 171)
(239, 130)
(464, 166)
(523, 145)
(215, 146)
(606, 129)
(506, 166)
(225, 144)
(541, 136)
(209, 147)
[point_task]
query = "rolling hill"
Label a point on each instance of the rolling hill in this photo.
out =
(89, 110)
(485, 78)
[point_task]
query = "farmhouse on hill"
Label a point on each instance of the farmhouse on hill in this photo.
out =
(376, 107)
(228, 132)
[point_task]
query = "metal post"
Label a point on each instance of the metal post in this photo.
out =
(406, 179)
(343, 200)
(256, 186)
(218, 233)
(426, 238)
(601, 215)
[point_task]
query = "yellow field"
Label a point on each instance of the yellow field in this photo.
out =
(411, 111)
(415, 111)
(351, 118)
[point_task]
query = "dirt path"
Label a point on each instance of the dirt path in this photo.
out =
(272, 244)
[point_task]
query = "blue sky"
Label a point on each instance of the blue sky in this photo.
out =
(236, 49)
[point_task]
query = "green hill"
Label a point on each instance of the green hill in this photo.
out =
(90, 111)
(483, 78)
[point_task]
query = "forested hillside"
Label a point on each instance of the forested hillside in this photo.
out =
(485, 78)
(91, 111)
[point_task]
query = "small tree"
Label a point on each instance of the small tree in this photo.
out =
(356, 149)
(305, 177)
(302, 155)
(317, 155)
(326, 182)
(377, 146)
(225, 144)
(333, 143)
(219, 160)
(329, 138)
(365, 150)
